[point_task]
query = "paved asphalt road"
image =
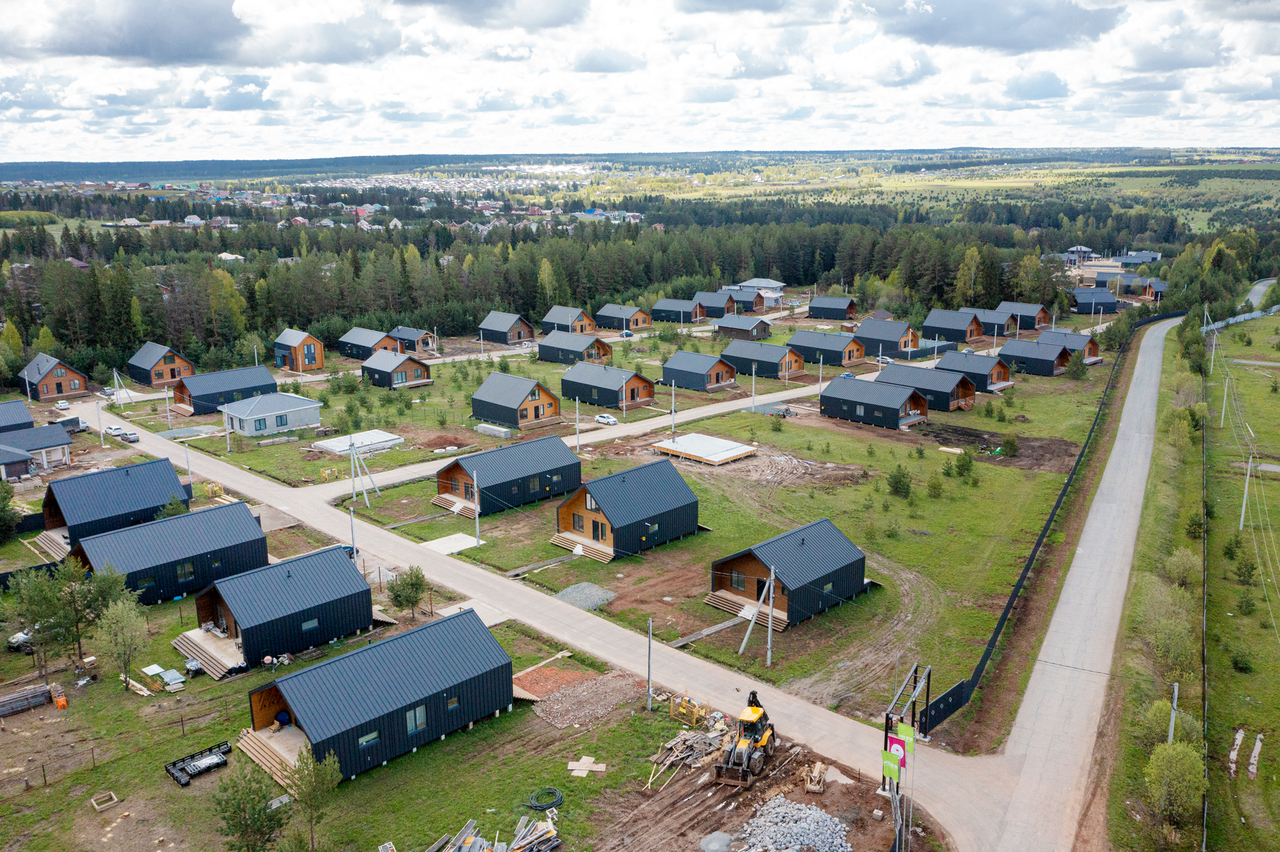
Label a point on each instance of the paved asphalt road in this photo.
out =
(1024, 800)
(1259, 290)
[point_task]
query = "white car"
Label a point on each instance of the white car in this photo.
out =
(62, 405)
(115, 431)
(882, 360)
(607, 419)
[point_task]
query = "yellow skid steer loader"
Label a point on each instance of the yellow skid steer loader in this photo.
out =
(756, 741)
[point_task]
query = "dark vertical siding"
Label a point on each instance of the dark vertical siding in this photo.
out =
(516, 492)
(605, 397)
(115, 522)
(139, 375)
(889, 416)
(378, 378)
(494, 413)
(672, 524)
(764, 369)
(208, 403)
(338, 618)
(558, 354)
(235, 559)
(809, 600)
(687, 379)
(955, 335)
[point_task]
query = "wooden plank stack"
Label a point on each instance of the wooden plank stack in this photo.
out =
(24, 699)
(530, 836)
(689, 748)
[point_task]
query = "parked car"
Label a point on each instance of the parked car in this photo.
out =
(107, 392)
(114, 431)
(62, 405)
(607, 419)
(846, 375)
(129, 437)
(627, 334)
(22, 640)
(969, 351)
(883, 360)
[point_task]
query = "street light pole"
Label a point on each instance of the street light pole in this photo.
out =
(103, 435)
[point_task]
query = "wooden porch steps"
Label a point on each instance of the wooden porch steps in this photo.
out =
(599, 554)
(742, 608)
(183, 410)
(265, 756)
(193, 650)
(445, 501)
(52, 544)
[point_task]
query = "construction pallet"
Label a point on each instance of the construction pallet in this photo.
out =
(25, 699)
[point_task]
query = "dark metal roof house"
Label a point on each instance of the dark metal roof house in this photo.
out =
(623, 318)
(988, 373)
(1034, 357)
(1073, 342)
(502, 327)
(1029, 316)
(1154, 288)
(289, 606)
(41, 442)
(941, 389)
(561, 347)
(111, 499)
(165, 559)
(714, 305)
(678, 310)
(747, 299)
(743, 328)
(14, 415)
(416, 340)
(696, 371)
(633, 510)
(387, 369)
(886, 337)
(996, 323)
(610, 387)
(815, 567)
(766, 360)
(956, 326)
(158, 366)
(833, 307)
(873, 403)
(1091, 300)
(389, 698)
(46, 378)
(571, 320)
(514, 401)
(509, 476)
(836, 349)
(361, 343)
(204, 393)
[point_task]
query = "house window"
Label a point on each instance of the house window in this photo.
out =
(399, 378)
(46, 388)
(577, 523)
(310, 625)
(534, 483)
(368, 739)
(592, 505)
(241, 419)
(282, 420)
(417, 372)
(159, 374)
(738, 580)
(309, 353)
(169, 359)
(416, 719)
(555, 477)
(524, 414)
(186, 572)
(453, 485)
(860, 410)
(75, 384)
(534, 394)
(452, 704)
(653, 528)
(59, 372)
(146, 582)
(259, 424)
(215, 564)
(593, 393)
(515, 489)
(828, 587)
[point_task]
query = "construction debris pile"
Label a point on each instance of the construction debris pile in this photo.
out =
(586, 702)
(781, 825)
(689, 748)
(530, 836)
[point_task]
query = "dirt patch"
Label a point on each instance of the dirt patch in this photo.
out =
(548, 680)
(589, 701)
(1054, 455)
(434, 438)
(296, 540)
(133, 825)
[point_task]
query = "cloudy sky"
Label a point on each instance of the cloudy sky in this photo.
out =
(174, 79)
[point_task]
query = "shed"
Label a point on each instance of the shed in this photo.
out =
(1094, 300)
(514, 401)
(298, 351)
(747, 299)
(766, 360)
(14, 415)
(1029, 316)
(206, 393)
(623, 318)
(815, 567)
(630, 511)
(361, 343)
(415, 340)
(873, 403)
(386, 369)
(714, 305)
(743, 328)
(955, 326)
(942, 390)
(571, 320)
(1074, 343)
(386, 699)
(46, 379)
(835, 349)
(886, 337)
(833, 308)
(696, 371)
(289, 606)
(561, 347)
(987, 372)
(42, 443)
(164, 559)
(270, 413)
(505, 328)
(15, 463)
(158, 366)
(996, 323)
(678, 310)
(1154, 288)
(509, 476)
(1036, 358)
(610, 387)
(111, 499)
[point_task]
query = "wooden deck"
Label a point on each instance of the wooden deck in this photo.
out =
(742, 606)
(277, 752)
(449, 503)
(217, 655)
(594, 549)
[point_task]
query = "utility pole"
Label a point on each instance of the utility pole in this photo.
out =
(255, 354)
(352, 510)
(1248, 474)
(167, 414)
(475, 479)
(753, 385)
(1173, 714)
(819, 370)
(649, 689)
(226, 427)
(577, 424)
(98, 405)
(187, 449)
(1225, 385)
(768, 654)
(673, 408)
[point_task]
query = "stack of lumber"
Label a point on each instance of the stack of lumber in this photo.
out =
(530, 836)
(689, 748)
(24, 699)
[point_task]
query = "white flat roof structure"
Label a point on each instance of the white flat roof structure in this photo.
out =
(704, 449)
(373, 441)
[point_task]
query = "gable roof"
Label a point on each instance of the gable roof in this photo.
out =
(140, 547)
(291, 585)
(388, 361)
(224, 381)
(40, 366)
(599, 376)
(14, 412)
(149, 355)
(37, 438)
(562, 315)
(761, 284)
(996, 316)
(1056, 338)
(958, 320)
(404, 332)
(291, 337)
(878, 329)
(116, 491)
(362, 337)
(870, 393)
(928, 378)
(1157, 284)
(804, 554)
(967, 362)
(734, 321)
(1032, 349)
(673, 305)
(500, 321)
(505, 389)
(840, 303)
(267, 404)
(714, 300)
(833, 340)
(756, 351)
(1022, 309)
(357, 687)
(881, 314)
(523, 459)
(641, 492)
(567, 340)
(10, 455)
(1093, 294)
(621, 311)
(693, 362)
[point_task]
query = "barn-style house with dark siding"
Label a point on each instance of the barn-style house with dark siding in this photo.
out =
(180, 555)
(157, 366)
(514, 401)
(633, 510)
(889, 338)
(765, 360)
(414, 341)
(386, 369)
(815, 567)
(1094, 300)
(955, 326)
(14, 415)
(988, 373)
(1036, 358)
(561, 347)
(996, 323)
(610, 387)
(623, 318)
(833, 308)
(748, 300)
(743, 328)
(1074, 342)
(698, 371)
(205, 393)
(836, 349)
(1030, 317)
(381, 701)
(111, 499)
(942, 390)
(286, 607)
(509, 476)
(678, 310)
(47, 379)
(360, 343)
(505, 328)
(873, 403)
(714, 305)
(566, 319)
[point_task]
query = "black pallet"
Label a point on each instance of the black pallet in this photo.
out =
(183, 769)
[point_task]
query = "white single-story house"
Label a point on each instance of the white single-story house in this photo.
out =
(270, 413)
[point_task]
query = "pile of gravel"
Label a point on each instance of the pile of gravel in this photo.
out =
(781, 825)
(586, 702)
(586, 595)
